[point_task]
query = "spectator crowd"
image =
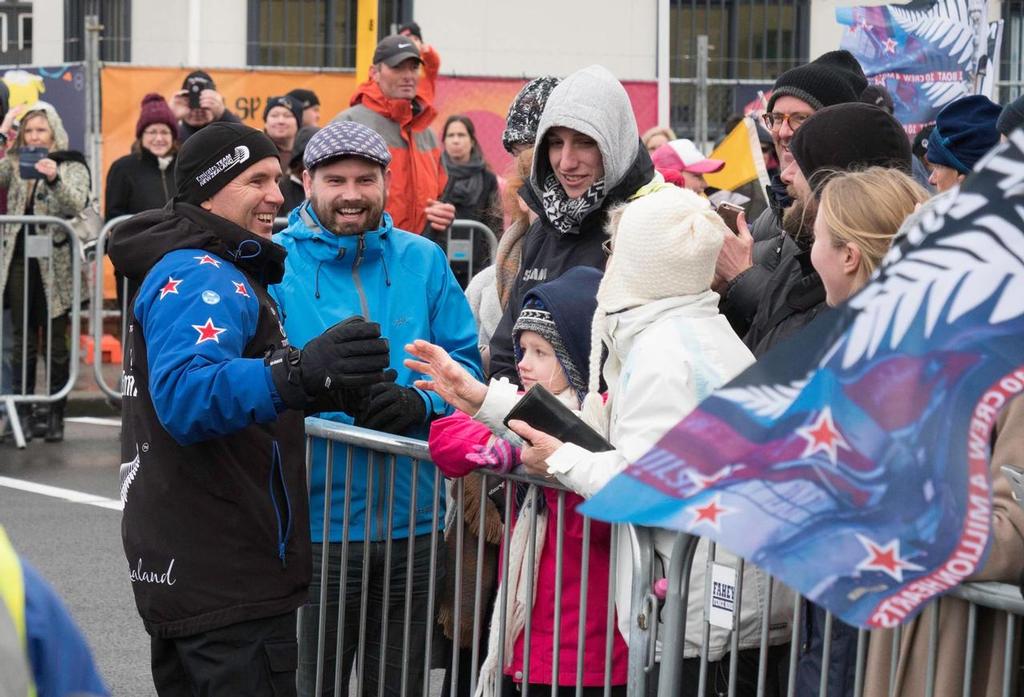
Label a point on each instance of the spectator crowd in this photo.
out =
(617, 287)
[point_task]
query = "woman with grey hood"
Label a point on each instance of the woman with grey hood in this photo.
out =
(587, 157)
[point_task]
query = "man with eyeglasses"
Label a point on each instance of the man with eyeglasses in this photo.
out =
(747, 260)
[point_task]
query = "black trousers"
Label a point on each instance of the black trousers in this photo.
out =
(26, 345)
(256, 658)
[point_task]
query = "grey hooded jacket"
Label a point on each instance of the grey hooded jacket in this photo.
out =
(593, 102)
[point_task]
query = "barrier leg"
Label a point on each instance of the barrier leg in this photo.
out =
(15, 422)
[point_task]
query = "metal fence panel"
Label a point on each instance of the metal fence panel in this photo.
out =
(22, 358)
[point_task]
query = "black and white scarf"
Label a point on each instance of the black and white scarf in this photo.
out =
(566, 213)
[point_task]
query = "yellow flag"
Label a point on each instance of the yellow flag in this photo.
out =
(744, 162)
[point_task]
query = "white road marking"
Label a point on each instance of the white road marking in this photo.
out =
(94, 421)
(60, 493)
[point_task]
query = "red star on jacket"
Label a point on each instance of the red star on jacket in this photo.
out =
(709, 513)
(208, 332)
(885, 558)
(240, 289)
(823, 436)
(170, 287)
(207, 259)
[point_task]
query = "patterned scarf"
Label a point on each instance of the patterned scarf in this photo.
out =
(565, 213)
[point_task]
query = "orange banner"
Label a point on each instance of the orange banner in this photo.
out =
(245, 93)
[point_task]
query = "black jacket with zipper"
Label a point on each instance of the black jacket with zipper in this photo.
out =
(216, 531)
(135, 183)
(548, 253)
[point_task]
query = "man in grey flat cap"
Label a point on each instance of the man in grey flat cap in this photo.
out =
(346, 256)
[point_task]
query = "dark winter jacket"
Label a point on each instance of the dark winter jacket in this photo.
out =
(484, 208)
(792, 297)
(135, 183)
(216, 519)
(294, 194)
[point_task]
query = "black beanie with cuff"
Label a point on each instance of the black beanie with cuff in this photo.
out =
(215, 155)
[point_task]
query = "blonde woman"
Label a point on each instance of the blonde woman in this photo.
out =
(858, 217)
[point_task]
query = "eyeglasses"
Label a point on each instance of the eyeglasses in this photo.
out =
(774, 120)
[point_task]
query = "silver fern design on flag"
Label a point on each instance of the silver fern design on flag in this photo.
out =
(127, 472)
(943, 281)
(945, 24)
(768, 401)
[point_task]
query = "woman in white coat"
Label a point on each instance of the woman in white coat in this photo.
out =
(667, 349)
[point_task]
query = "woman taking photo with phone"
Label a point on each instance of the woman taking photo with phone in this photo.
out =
(42, 177)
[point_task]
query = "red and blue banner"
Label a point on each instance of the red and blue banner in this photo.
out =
(851, 462)
(927, 53)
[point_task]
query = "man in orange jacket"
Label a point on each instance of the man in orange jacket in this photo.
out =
(391, 103)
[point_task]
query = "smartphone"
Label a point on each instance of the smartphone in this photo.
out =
(195, 88)
(729, 212)
(27, 159)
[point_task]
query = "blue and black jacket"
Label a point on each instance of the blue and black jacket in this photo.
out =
(216, 518)
(403, 282)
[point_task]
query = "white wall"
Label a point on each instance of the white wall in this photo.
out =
(527, 38)
(160, 33)
(48, 29)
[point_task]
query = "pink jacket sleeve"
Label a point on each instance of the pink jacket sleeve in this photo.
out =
(454, 437)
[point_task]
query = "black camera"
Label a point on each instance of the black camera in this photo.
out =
(195, 87)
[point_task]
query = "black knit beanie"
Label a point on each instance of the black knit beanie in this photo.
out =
(290, 103)
(215, 155)
(849, 137)
(833, 78)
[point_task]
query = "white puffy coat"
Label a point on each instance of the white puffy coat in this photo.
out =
(665, 358)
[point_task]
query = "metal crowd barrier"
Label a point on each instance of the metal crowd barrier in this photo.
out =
(97, 312)
(662, 658)
(16, 359)
(461, 250)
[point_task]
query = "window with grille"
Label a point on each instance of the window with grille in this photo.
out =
(115, 38)
(302, 33)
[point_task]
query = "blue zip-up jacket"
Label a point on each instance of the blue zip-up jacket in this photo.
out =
(403, 282)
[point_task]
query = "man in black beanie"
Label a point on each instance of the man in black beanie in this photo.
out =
(748, 259)
(216, 516)
(198, 104)
(836, 139)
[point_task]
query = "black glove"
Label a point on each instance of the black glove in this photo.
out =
(351, 354)
(352, 400)
(393, 409)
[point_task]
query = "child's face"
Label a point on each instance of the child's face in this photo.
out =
(539, 364)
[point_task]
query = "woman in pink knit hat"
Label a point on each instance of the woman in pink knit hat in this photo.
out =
(144, 178)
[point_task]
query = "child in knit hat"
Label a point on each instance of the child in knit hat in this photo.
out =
(552, 341)
(667, 349)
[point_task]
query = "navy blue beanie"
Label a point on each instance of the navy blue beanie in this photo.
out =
(964, 131)
(570, 300)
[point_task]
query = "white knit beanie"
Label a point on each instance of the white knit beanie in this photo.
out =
(666, 246)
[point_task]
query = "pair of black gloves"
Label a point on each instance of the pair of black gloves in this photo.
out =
(346, 369)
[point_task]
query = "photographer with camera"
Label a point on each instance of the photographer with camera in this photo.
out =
(198, 104)
(42, 177)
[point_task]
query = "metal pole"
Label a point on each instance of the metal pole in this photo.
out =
(664, 66)
(92, 99)
(700, 127)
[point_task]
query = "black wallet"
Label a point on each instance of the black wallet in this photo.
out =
(545, 412)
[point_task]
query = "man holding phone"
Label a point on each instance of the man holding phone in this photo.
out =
(198, 104)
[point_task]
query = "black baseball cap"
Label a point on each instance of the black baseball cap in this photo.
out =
(413, 28)
(392, 50)
(198, 76)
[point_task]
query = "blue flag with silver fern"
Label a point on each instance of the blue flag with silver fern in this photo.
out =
(926, 53)
(851, 462)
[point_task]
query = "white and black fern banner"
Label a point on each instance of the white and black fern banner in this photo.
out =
(927, 53)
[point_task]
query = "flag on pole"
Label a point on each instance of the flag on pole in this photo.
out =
(744, 162)
(851, 462)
